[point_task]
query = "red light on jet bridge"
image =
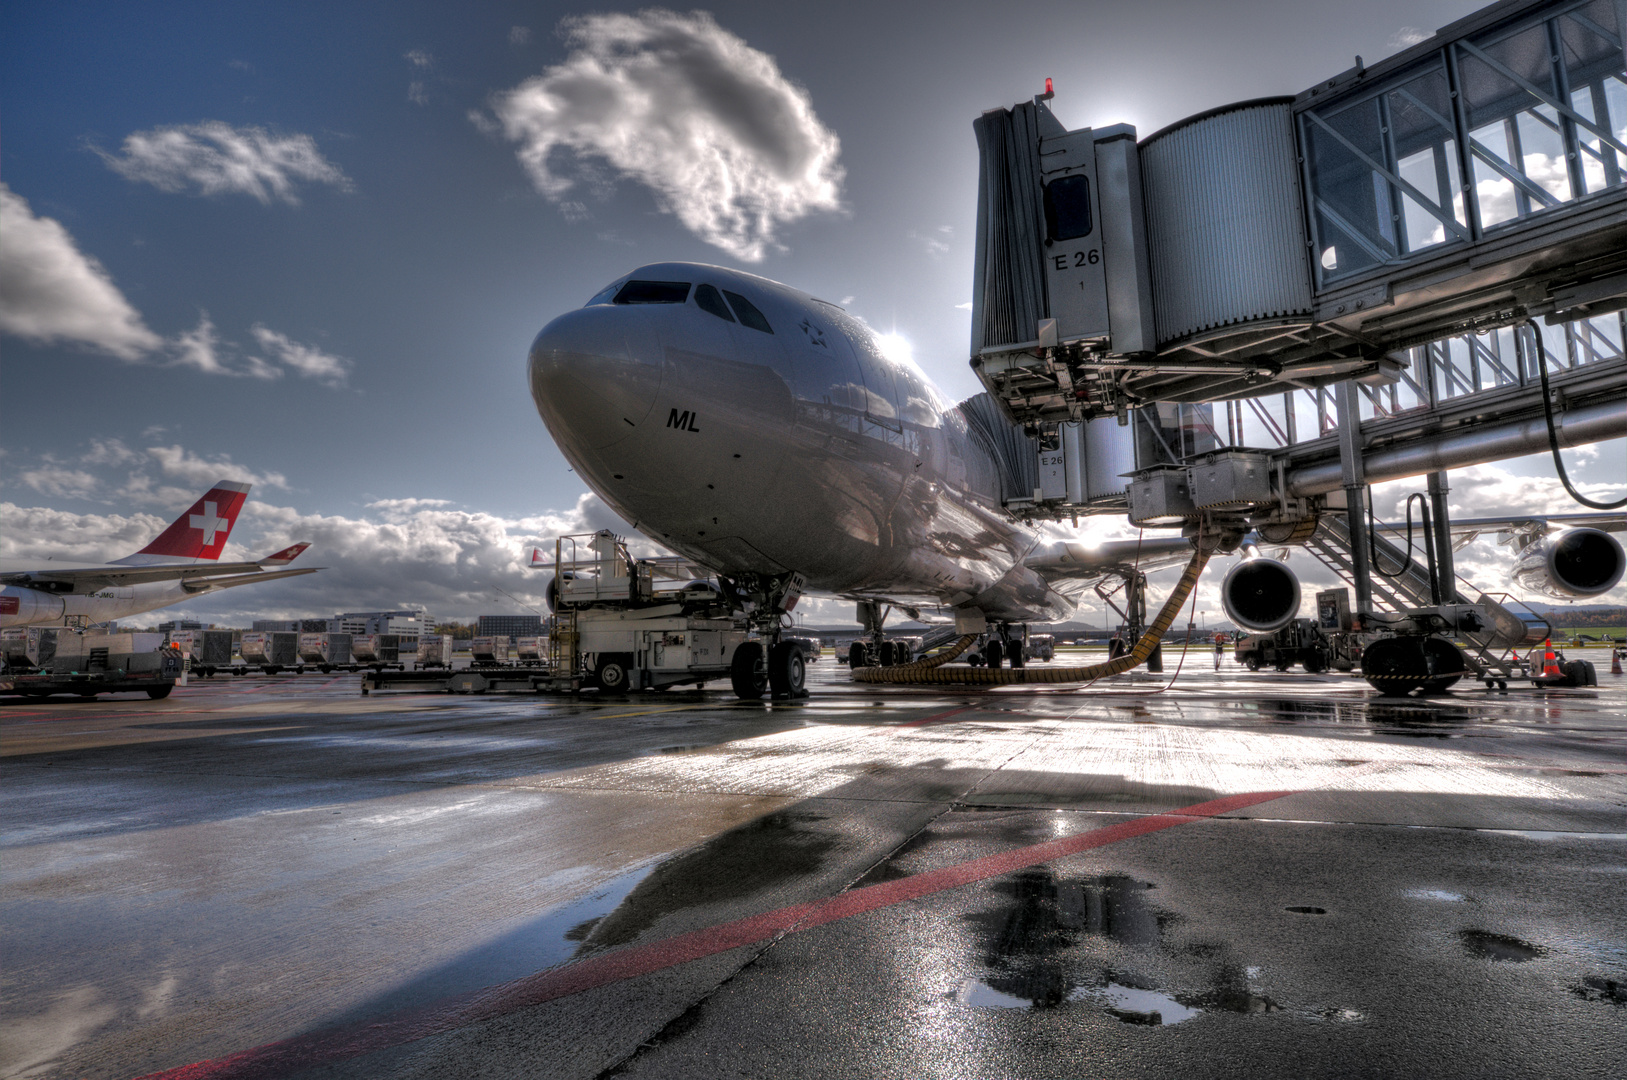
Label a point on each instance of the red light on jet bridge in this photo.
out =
(1048, 89)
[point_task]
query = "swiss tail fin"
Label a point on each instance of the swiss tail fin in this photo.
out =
(200, 534)
(285, 556)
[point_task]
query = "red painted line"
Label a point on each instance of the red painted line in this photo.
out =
(329, 1047)
(933, 719)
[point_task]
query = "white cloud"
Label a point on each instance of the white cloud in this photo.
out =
(934, 243)
(50, 291)
(59, 482)
(216, 158)
(110, 452)
(420, 58)
(711, 125)
(1408, 36)
(417, 94)
(519, 35)
(967, 306)
(184, 465)
(309, 362)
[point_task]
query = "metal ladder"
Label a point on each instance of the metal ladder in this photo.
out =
(1331, 544)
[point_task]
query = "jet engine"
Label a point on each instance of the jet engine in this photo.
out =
(1260, 595)
(20, 606)
(1570, 565)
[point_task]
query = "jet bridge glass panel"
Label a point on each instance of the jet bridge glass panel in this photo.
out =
(1487, 132)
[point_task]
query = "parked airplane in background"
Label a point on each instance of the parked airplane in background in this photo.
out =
(761, 432)
(180, 564)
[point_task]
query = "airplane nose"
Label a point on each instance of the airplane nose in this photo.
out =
(595, 373)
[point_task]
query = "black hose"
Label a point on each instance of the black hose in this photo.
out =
(1553, 435)
(1429, 544)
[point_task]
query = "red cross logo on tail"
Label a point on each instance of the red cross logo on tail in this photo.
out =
(201, 532)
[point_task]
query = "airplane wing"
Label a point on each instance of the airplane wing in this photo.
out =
(1063, 560)
(210, 584)
(89, 579)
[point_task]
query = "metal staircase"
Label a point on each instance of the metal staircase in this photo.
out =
(1331, 545)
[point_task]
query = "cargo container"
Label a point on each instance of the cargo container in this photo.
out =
(27, 647)
(531, 651)
(376, 651)
(269, 650)
(435, 650)
(206, 651)
(490, 650)
(326, 652)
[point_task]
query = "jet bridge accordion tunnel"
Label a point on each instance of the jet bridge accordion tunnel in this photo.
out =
(1472, 181)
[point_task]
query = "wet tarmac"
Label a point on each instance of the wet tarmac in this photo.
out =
(1239, 874)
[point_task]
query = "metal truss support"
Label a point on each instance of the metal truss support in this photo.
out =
(1353, 478)
(1445, 571)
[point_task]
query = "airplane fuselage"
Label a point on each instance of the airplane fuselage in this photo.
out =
(782, 441)
(41, 607)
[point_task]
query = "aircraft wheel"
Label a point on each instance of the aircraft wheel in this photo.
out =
(1015, 651)
(1116, 648)
(157, 692)
(612, 673)
(993, 654)
(857, 655)
(1395, 666)
(747, 672)
(787, 671)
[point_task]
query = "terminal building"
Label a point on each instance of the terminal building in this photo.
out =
(509, 626)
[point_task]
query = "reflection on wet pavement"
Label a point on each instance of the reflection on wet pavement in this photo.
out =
(1500, 946)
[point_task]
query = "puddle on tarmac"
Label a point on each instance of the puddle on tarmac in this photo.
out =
(1599, 988)
(1100, 941)
(1499, 947)
(1537, 834)
(1435, 894)
(1304, 909)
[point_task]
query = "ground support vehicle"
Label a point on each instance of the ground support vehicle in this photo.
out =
(1300, 642)
(1040, 647)
(650, 648)
(91, 664)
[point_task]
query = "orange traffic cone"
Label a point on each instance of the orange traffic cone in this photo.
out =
(1615, 660)
(1550, 666)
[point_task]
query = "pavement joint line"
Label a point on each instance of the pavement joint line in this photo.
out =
(320, 1048)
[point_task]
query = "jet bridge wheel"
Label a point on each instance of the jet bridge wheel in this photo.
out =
(748, 673)
(1399, 665)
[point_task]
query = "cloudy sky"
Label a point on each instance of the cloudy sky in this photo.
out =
(307, 245)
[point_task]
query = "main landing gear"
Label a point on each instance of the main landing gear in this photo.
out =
(1000, 649)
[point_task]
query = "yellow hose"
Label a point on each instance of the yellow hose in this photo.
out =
(931, 670)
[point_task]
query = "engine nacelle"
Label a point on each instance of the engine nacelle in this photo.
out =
(29, 607)
(1260, 595)
(1571, 565)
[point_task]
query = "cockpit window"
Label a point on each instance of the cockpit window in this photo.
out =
(653, 292)
(707, 299)
(749, 315)
(604, 295)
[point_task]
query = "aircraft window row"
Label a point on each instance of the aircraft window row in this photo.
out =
(708, 300)
(653, 292)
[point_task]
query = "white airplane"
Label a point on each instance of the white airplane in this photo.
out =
(182, 563)
(762, 433)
